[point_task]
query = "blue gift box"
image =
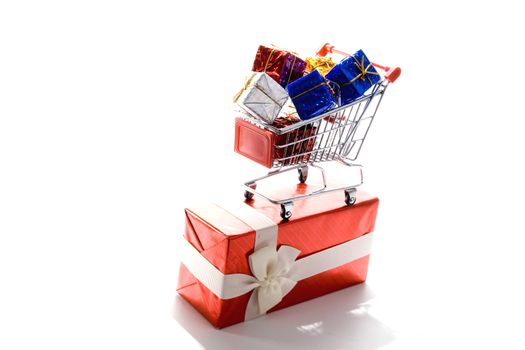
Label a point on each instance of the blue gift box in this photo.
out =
(347, 91)
(360, 73)
(312, 95)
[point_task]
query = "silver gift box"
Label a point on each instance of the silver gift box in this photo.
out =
(262, 97)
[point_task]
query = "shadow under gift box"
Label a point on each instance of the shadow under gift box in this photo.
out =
(268, 148)
(317, 224)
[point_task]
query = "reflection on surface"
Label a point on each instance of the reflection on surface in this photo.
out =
(312, 329)
(336, 321)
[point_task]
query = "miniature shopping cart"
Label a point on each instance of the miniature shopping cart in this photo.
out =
(336, 135)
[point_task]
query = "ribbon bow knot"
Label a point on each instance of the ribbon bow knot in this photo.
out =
(272, 280)
(247, 83)
(363, 70)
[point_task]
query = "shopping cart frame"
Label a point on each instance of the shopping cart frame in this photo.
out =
(333, 124)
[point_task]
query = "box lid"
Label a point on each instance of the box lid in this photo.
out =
(318, 223)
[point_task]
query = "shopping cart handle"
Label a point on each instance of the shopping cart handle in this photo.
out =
(325, 50)
(391, 73)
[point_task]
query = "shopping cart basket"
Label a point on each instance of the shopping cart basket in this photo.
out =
(336, 135)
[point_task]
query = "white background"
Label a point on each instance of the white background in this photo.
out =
(114, 116)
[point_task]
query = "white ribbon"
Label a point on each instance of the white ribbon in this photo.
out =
(275, 272)
(271, 282)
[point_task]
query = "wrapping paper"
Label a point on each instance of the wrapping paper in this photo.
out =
(360, 72)
(312, 95)
(318, 223)
(321, 64)
(283, 122)
(354, 75)
(295, 141)
(283, 66)
(347, 91)
(262, 97)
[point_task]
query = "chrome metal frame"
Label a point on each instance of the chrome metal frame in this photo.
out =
(337, 135)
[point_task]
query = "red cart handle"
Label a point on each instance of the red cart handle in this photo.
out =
(391, 73)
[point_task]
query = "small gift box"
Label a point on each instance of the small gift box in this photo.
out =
(283, 66)
(360, 72)
(241, 261)
(322, 64)
(294, 146)
(354, 75)
(262, 97)
(347, 92)
(312, 95)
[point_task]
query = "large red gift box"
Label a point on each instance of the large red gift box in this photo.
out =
(225, 242)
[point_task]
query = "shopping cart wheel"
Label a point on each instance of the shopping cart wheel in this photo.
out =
(247, 194)
(286, 210)
(303, 174)
(350, 196)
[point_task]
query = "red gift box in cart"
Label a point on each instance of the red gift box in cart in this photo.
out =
(336, 135)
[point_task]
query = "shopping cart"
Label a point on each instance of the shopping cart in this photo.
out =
(336, 135)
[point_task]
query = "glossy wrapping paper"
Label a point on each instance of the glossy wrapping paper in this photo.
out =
(347, 91)
(317, 224)
(283, 66)
(359, 72)
(322, 64)
(312, 95)
(297, 141)
(262, 97)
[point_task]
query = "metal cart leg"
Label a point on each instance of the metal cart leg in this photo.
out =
(303, 174)
(350, 196)
(286, 210)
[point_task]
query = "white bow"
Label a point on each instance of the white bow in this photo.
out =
(271, 282)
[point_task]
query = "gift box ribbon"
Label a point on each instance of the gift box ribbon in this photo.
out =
(363, 70)
(247, 83)
(275, 272)
(325, 82)
(283, 52)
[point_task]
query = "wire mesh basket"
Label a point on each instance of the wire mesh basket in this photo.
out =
(337, 135)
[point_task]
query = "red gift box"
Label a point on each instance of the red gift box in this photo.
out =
(318, 230)
(283, 66)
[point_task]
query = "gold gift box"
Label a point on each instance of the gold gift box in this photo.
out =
(322, 64)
